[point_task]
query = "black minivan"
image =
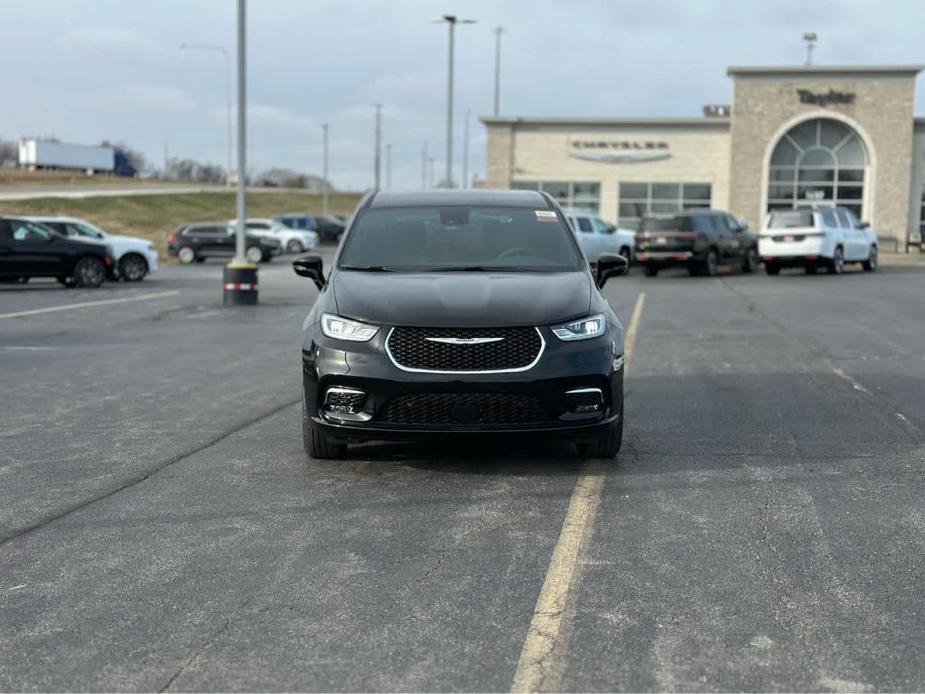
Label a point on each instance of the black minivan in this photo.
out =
(698, 240)
(461, 312)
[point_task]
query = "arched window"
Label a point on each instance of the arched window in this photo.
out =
(821, 160)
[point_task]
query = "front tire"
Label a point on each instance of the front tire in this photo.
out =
(294, 246)
(870, 265)
(89, 272)
(751, 260)
(317, 445)
(626, 252)
(607, 446)
(133, 267)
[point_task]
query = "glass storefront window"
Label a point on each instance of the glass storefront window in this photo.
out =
(637, 199)
(576, 195)
(820, 160)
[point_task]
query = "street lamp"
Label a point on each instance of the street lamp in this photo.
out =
(451, 21)
(810, 38)
(224, 52)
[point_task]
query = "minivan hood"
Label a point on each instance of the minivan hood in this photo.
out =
(462, 299)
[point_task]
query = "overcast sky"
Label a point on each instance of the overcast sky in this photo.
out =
(84, 70)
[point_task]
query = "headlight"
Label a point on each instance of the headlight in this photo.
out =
(584, 329)
(346, 329)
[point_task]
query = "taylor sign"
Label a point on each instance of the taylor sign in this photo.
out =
(824, 99)
(619, 151)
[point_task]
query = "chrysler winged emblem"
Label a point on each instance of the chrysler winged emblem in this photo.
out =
(464, 340)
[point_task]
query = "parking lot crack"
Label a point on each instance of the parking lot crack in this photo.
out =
(142, 477)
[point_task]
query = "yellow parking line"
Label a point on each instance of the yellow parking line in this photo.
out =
(87, 304)
(542, 658)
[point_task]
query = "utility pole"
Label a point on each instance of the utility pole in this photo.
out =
(388, 166)
(810, 38)
(498, 32)
(166, 160)
(377, 157)
(451, 21)
(465, 176)
(324, 168)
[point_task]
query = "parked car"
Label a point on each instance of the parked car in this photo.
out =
(817, 237)
(291, 240)
(29, 249)
(196, 242)
(459, 312)
(699, 240)
(327, 226)
(596, 237)
(135, 257)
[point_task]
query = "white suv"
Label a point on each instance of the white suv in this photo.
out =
(816, 237)
(596, 237)
(135, 257)
(291, 240)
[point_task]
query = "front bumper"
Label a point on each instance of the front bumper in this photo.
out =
(563, 367)
(151, 257)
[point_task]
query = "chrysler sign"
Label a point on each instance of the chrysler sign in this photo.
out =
(619, 151)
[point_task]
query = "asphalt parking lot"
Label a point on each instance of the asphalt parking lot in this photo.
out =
(763, 528)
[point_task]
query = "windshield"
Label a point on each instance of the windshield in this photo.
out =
(417, 239)
(791, 219)
(88, 230)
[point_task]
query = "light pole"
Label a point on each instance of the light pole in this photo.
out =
(228, 127)
(424, 166)
(451, 22)
(498, 32)
(377, 157)
(810, 38)
(465, 176)
(239, 277)
(324, 169)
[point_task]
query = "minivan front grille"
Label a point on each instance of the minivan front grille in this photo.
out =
(483, 410)
(465, 350)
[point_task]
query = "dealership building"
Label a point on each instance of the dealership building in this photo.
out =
(792, 136)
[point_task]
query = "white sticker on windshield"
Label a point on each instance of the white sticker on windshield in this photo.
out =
(545, 216)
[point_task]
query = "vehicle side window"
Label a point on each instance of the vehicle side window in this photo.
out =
(584, 225)
(24, 231)
(731, 223)
(703, 224)
(843, 218)
(263, 226)
(852, 220)
(600, 226)
(69, 229)
(828, 218)
(5, 230)
(60, 227)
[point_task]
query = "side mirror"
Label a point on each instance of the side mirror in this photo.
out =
(611, 228)
(864, 225)
(311, 266)
(610, 266)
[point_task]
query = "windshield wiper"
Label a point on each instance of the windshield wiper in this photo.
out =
(368, 268)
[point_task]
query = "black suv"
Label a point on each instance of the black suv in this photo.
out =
(196, 242)
(29, 249)
(699, 240)
(457, 312)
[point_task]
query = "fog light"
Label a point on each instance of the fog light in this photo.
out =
(584, 401)
(341, 400)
